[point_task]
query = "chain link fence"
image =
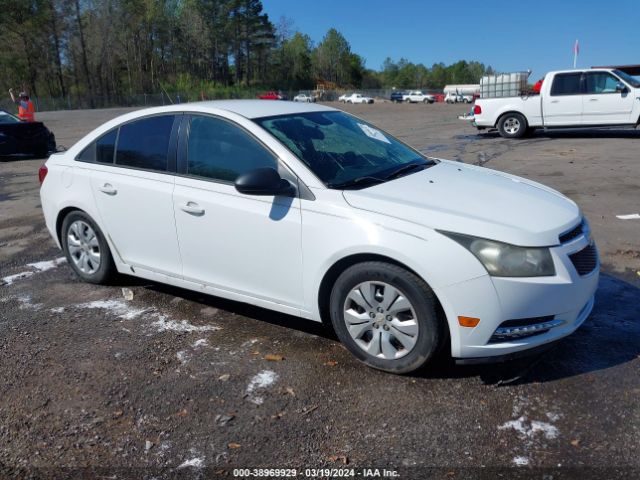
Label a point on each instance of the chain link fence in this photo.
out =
(71, 102)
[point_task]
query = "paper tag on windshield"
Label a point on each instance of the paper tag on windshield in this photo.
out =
(373, 133)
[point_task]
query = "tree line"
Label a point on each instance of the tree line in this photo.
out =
(109, 48)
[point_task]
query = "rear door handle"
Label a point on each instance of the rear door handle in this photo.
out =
(593, 99)
(108, 189)
(193, 208)
(555, 101)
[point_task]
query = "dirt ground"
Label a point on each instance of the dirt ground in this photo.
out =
(170, 383)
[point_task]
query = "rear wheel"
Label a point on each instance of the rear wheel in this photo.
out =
(386, 317)
(86, 248)
(512, 125)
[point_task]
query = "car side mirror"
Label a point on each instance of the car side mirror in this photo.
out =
(264, 181)
(621, 87)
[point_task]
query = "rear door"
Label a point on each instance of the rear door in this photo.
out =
(132, 184)
(603, 103)
(563, 105)
(245, 244)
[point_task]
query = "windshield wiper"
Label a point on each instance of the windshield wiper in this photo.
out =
(406, 168)
(357, 182)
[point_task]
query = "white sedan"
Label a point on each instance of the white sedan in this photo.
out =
(358, 98)
(312, 212)
(303, 97)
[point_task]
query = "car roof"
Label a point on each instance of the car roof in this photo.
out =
(263, 108)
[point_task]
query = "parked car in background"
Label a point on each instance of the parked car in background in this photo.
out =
(304, 97)
(568, 99)
(343, 98)
(416, 96)
(358, 98)
(310, 211)
(397, 97)
(26, 138)
(458, 98)
(272, 96)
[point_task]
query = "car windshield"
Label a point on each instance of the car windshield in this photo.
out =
(634, 82)
(6, 117)
(343, 150)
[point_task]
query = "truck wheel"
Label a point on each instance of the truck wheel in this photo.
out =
(512, 125)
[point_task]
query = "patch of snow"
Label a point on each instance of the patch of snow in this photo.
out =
(554, 417)
(12, 278)
(57, 310)
(530, 429)
(26, 303)
(549, 431)
(197, 462)
(118, 307)
(203, 342)
(183, 357)
(248, 343)
(164, 324)
(47, 264)
(520, 461)
(260, 381)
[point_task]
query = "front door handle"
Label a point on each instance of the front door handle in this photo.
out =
(193, 208)
(108, 189)
(555, 101)
(593, 99)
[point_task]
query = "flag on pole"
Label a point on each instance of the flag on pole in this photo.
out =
(576, 51)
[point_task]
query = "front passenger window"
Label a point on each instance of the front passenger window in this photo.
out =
(220, 150)
(601, 82)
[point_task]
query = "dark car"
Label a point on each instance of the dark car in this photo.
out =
(397, 97)
(30, 138)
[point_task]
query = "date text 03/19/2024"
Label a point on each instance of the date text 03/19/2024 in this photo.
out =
(315, 473)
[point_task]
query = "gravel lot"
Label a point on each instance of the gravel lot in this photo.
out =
(170, 383)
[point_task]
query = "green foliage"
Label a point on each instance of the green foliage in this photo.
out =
(404, 74)
(104, 50)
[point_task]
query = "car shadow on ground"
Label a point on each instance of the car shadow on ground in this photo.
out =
(572, 133)
(608, 338)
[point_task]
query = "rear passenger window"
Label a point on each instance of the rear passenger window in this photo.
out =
(220, 150)
(105, 146)
(567, 84)
(101, 150)
(145, 143)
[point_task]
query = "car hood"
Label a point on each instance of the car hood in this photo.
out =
(475, 201)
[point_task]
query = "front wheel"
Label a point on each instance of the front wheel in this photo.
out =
(86, 248)
(512, 125)
(386, 317)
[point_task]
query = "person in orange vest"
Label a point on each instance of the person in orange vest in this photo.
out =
(26, 110)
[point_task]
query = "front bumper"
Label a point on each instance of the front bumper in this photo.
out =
(567, 297)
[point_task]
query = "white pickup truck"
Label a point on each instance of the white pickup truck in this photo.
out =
(568, 99)
(416, 96)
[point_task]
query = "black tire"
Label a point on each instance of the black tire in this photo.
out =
(507, 125)
(107, 269)
(431, 331)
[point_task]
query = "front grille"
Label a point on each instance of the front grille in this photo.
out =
(575, 232)
(585, 260)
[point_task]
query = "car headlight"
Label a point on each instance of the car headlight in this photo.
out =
(504, 260)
